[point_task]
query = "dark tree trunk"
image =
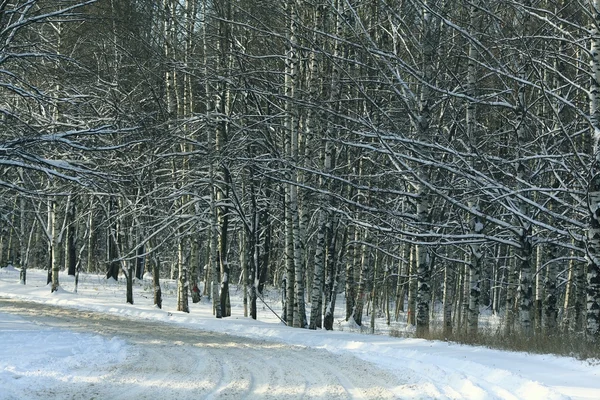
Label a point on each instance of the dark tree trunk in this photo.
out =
(140, 263)
(71, 240)
(156, 283)
(129, 277)
(195, 267)
(263, 266)
(113, 264)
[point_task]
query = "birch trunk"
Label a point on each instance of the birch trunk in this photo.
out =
(511, 290)
(212, 271)
(525, 285)
(335, 268)
(318, 289)
(222, 110)
(524, 228)
(412, 288)
(476, 223)
(448, 300)
(319, 274)
(213, 254)
(403, 279)
(55, 241)
(295, 269)
(252, 257)
(351, 266)
(423, 273)
(70, 249)
(91, 239)
(568, 305)
(362, 281)
(182, 279)
(243, 257)
(429, 41)
(23, 248)
(593, 194)
(551, 295)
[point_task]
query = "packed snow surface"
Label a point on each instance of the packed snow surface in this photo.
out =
(92, 345)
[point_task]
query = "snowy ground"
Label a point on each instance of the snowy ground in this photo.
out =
(91, 345)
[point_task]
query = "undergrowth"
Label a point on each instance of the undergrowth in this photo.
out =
(557, 343)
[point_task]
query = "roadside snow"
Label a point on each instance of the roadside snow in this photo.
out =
(33, 356)
(42, 356)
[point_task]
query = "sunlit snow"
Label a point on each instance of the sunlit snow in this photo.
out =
(37, 357)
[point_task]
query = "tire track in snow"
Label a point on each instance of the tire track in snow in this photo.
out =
(167, 361)
(444, 377)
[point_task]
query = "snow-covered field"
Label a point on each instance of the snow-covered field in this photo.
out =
(92, 345)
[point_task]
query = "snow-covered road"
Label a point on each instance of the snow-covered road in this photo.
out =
(90, 344)
(163, 361)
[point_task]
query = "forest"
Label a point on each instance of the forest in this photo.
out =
(428, 159)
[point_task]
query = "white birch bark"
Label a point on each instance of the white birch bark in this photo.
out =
(476, 223)
(317, 290)
(318, 277)
(213, 261)
(182, 281)
(412, 288)
(54, 237)
(23, 248)
(91, 239)
(524, 228)
(295, 267)
(511, 290)
(593, 194)
(334, 264)
(423, 259)
(352, 268)
(365, 260)
(403, 279)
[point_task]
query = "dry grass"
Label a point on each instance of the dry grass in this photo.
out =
(557, 343)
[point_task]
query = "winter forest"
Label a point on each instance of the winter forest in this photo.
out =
(428, 159)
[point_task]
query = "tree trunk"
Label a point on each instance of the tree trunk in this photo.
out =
(222, 111)
(112, 239)
(412, 288)
(525, 288)
(24, 249)
(593, 194)
(374, 297)
(156, 283)
(423, 273)
(511, 286)
(71, 251)
(129, 278)
(551, 295)
(182, 281)
(54, 235)
(474, 277)
(593, 274)
(362, 280)
(140, 262)
(214, 254)
(403, 279)
(351, 266)
(195, 271)
(319, 274)
(91, 245)
(476, 223)
(448, 299)
(331, 280)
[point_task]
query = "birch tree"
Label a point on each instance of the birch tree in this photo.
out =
(593, 190)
